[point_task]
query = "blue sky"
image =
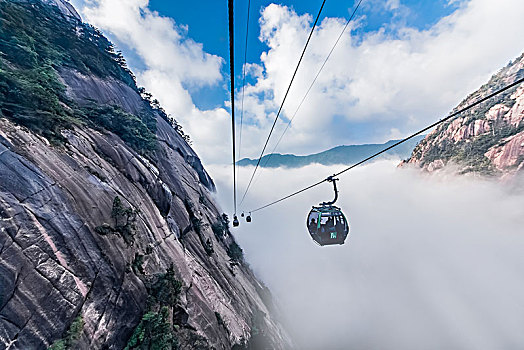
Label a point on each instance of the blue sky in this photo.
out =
(206, 22)
(402, 65)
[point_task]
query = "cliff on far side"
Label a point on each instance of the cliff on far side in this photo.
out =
(488, 139)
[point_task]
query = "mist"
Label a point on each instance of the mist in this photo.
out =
(431, 262)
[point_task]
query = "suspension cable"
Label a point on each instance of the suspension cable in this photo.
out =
(312, 83)
(519, 81)
(284, 100)
(232, 72)
(243, 83)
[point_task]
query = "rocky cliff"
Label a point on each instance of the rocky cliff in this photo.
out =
(110, 237)
(487, 139)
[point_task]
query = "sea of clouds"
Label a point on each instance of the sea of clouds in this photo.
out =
(432, 261)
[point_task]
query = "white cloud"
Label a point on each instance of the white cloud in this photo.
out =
(375, 85)
(403, 80)
(159, 41)
(432, 262)
(173, 62)
(392, 4)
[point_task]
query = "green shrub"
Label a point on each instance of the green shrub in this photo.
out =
(221, 227)
(197, 224)
(137, 264)
(154, 332)
(124, 222)
(235, 252)
(58, 345)
(165, 289)
(72, 335)
(218, 229)
(139, 133)
(208, 246)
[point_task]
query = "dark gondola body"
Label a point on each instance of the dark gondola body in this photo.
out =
(327, 225)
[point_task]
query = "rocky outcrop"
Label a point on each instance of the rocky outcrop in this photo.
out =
(86, 88)
(65, 7)
(486, 139)
(509, 156)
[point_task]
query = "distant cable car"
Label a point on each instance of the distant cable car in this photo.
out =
(326, 223)
(235, 221)
(248, 218)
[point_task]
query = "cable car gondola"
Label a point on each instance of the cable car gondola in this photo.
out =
(326, 223)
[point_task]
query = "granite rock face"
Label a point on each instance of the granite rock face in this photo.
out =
(84, 89)
(54, 266)
(487, 139)
(62, 260)
(66, 8)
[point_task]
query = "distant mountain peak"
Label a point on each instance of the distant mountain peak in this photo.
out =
(343, 154)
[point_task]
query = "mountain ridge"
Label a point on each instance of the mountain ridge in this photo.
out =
(344, 154)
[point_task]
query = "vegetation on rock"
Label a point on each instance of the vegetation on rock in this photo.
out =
(155, 330)
(124, 222)
(34, 45)
(37, 41)
(138, 132)
(221, 230)
(71, 337)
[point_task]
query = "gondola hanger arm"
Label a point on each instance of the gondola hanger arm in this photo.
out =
(334, 180)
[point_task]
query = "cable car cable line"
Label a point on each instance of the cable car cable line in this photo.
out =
(283, 101)
(519, 81)
(243, 83)
(232, 72)
(266, 162)
(312, 83)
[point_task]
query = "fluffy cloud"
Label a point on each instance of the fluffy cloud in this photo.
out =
(172, 62)
(377, 84)
(403, 79)
(158, 40)
(432, 262)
